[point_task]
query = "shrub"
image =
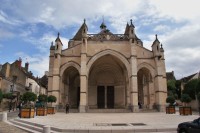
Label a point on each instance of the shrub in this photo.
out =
(28, 97)
(170, 100)
(185, 98)
(42, 99)
(7, 95)
(51, 99)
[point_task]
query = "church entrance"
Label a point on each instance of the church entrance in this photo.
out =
(107, 84)
(105, 97)
(71, 85)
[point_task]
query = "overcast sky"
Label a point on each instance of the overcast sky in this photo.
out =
(27, 28)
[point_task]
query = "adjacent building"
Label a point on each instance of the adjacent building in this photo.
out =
(18, 79)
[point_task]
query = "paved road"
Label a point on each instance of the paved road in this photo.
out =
(7, 128)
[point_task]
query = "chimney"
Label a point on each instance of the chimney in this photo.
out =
(26, 66)
(19, 63)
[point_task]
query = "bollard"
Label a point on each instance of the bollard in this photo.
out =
(4, 117)
(46, 129)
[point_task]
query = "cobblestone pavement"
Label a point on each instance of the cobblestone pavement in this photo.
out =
(7, 128)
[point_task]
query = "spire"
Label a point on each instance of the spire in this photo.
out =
(84, 24)
(156, 40)
(161, 48)
(127, 29)
(84, 20)
(132, 23)
(52, 47)
(58, 34)
(103, 26)
(58, 38)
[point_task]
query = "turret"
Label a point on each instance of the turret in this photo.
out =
(156, 48)
(84, 30)
(131, 31)
(162, 51)
(58, 45)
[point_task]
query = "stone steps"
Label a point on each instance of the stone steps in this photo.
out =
(29, 126)
(25, 126)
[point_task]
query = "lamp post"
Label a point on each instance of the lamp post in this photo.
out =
(11, 90)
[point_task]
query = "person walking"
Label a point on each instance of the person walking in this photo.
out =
(20, 106)
(67, 108)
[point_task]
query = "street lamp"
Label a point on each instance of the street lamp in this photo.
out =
(11, 90)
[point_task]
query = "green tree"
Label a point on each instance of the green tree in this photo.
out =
(42, 99)
(178, 88)
(170, 100)
(28, 97)
(185, 98)
(171, 88)
(7, 95)
(192, 88)
(52, 99)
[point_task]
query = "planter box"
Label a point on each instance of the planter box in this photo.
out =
(170, 110)
(51, 110)
(41, 111)
(185, 110)
(27, 113)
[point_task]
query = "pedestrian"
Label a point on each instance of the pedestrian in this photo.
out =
(20, 106)
(140, 105)
(67, 108)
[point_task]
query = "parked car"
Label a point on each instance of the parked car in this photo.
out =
(189, 127)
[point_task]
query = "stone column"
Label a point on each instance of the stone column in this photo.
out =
(160, 85)
(83, 94)
(83, 78)
(161, 93)
(133, 78)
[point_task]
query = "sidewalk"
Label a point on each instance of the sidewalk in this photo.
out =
(7, 128)
(158, 122)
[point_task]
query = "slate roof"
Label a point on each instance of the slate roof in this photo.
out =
(186, 79)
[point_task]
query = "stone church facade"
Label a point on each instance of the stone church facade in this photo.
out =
(107, 71)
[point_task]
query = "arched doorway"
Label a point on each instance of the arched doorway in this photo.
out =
(107, 84)
(144, 80)
(71, 81)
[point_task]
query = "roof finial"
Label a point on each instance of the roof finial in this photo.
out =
(52, 43)
(131, 21)
(156, 37)
(58, 34)
(103, 18)
(84, 20)
(161, 45)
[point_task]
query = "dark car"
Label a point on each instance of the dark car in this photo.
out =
(189, 127)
